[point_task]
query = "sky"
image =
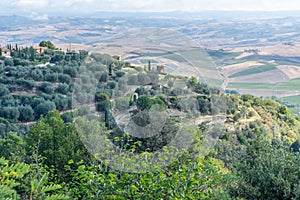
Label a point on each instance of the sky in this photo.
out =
(62, 7)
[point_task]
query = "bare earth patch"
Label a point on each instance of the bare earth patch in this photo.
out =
(232, 69)
(282, 50)
(278, 49)
(245, 54)
(291, 71)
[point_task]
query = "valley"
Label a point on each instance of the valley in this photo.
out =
(148, 105)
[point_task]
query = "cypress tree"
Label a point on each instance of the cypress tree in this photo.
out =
(149, 66)
(110, 69)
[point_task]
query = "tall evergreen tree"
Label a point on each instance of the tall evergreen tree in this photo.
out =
(149, 66)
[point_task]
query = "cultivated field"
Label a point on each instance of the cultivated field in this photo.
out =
(291, 71)
(270, 76)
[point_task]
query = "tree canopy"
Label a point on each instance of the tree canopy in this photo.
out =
(47, 44)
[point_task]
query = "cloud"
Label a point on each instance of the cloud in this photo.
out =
(38, 17)
(89, 6)
(33, 4)
(198, 5)
(77, 2)
(257, 5)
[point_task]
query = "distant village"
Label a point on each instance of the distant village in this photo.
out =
(6, 50)
(43, 54)
(38, 50)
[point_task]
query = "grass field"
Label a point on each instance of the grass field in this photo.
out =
(250, 85)
(290, 85)
(254, 70)
(214, 82)
(223, 57)
(199, 58)
(145, 61)
(291, 99)
(176, 57)
(295, 110)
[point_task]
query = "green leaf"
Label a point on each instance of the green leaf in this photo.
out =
(71, 162)
(57, 197)
(134, 188)
(50, 188)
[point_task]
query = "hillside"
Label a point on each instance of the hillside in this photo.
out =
(89, 126)
(247, 53)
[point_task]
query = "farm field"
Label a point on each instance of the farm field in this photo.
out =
(254, 70)
(263, 71)
(293, 102)
(292, 99)
(291, 85)
(291, 71)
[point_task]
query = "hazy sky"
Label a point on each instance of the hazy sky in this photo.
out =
(90, 6)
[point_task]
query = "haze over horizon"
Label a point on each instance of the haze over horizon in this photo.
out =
(44, 8)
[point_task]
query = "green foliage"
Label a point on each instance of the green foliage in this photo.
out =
(59, 162)
(14, 176)
(132, 79)
(10, 113)
(12, 148)
(43, 108)
(3, 90)
(184, 179)
(40, 191)
(192, 82)
(10, 175)
(26, 113)
(237, 116)
(47, 44)
(176, 103)
(143, 79)
(120, 73)
(204, 105)
(145, 103)
(62, 88)
(122, 103)
(267, 171)
(102, 58)
(103, 103)
(55, 142)
(64, 78)
(8, 62)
